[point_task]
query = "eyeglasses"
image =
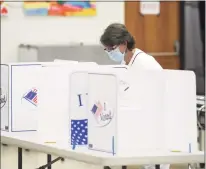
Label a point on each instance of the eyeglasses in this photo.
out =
(109, 49)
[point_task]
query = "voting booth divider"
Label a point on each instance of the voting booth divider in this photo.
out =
(103, 112)
(180, 118)
(61, 99)
(80, 106)
(141, 119)
(19, 97)
(166, 102)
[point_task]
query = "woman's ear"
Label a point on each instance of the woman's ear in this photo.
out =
(125, 43)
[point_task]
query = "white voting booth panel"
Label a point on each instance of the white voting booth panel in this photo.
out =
(53, 105)
(128, 130)
(121, 72)
(176, 118)
(54, 98)
(80, 92)
(180, 119)
(155, 116)
(139, 126)
(19, 92)
(102, 112)
(19, 95)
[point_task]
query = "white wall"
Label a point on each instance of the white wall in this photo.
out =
(17, 28)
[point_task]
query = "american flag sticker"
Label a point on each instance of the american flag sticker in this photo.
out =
(31, 96)
(79, 132)
(97, 109)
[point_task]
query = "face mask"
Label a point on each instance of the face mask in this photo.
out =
(116, 55)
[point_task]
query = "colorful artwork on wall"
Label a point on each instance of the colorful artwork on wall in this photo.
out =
(4, 9)
(60, 8)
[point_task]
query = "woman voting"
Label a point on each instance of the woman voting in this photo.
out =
(119, 44)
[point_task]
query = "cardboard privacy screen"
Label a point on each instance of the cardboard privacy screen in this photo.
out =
(60, 96)
(102, 112)
(162, 107)
(19, 94)
(19, 97)
(180, 118)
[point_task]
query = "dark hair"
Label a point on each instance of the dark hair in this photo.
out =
(117, 34)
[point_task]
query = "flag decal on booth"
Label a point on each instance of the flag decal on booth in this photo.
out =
(79, 132)
(97, 110)
(31, 96)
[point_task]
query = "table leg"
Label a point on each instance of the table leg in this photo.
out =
(202, 165)
(157, 166)
(49, 159)
(20, 158)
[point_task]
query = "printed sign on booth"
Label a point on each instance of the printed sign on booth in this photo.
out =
(102, 115)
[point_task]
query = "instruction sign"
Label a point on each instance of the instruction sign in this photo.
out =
(149, 8)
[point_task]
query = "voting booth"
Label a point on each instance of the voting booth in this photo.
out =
(161, 110)
(92, 114)
(19, 97)
(83, 86)
(79, 105)
(62, 96)
(102, 112)
(127, 131)
(64, 119)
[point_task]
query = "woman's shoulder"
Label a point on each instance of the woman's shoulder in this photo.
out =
(145, 60)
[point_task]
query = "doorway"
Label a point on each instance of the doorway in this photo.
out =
(156, 34)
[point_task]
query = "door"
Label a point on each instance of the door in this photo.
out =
(156, 34)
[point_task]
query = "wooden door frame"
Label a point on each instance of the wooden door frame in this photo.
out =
(177, 63)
